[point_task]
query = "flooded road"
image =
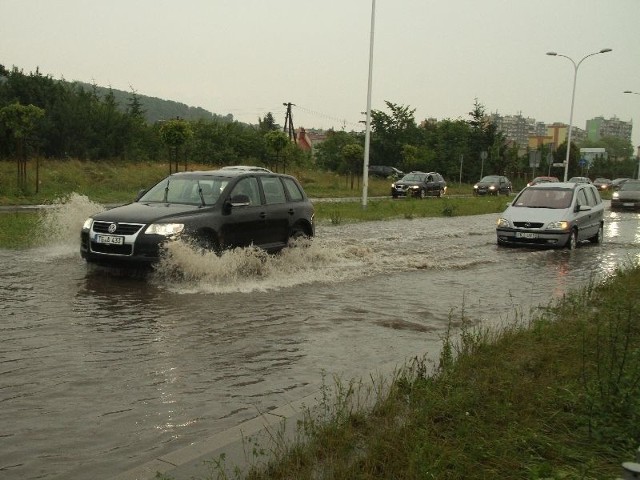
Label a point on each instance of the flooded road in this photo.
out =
(100, 372)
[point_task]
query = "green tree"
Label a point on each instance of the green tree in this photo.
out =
(391, 132)
(329, 153)
(352, 161)
(175, 134)
(20, 121)
(276, 142)
(267, 124)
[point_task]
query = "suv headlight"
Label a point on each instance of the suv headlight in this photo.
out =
(87, 224)
(503, 222)
(492, 187)
(559, 225)
(615, 195)
(165, 229)
(475, 187)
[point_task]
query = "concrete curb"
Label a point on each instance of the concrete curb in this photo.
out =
(228, 447)
(231, 452)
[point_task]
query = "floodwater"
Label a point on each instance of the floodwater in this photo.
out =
(102, 371)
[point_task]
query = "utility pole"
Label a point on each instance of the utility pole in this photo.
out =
(288, 123)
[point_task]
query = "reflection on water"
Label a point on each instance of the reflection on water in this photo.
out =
(121, 368)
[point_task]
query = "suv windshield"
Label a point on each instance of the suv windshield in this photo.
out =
(413, 177)
(190, 190)
(544, 198)
(490, 178)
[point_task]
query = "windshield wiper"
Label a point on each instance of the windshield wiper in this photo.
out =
(166, 192)
(200, 193)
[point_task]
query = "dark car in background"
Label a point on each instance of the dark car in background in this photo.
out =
(493, 185)
(384, 171)
(420, 185)
(216, 210)
(602, 184)
(627, 197)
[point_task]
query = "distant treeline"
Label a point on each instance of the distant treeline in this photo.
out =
(58, 119)
(85, 121)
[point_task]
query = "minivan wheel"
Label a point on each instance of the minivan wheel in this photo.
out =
(598, 237)
(572, 242)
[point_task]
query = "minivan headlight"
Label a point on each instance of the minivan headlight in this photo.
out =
(559, 225)
(503, 222)
(165, 229)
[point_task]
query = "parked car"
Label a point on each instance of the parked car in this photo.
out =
(616, 183)
(384, 171)
(216, 209)
(538, 180)
(602, 184)
(579, 180)
(628, 197)
(419, 184)
(493, 185)
(553, 215)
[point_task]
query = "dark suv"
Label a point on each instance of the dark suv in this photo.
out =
(216, 209)
(419, 184)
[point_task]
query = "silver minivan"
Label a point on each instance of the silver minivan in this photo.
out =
(553, 215)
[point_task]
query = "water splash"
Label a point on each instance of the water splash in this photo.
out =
(59, 225)
(187, 269)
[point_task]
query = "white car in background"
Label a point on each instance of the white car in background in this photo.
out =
(553, 215)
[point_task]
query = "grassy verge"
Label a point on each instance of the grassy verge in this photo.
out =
(554, 396)
(113, 182)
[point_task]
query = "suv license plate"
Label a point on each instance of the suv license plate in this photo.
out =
(526, 235)
(109, 239)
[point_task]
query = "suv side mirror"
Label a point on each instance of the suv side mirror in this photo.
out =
(240, 200)
(141, 192)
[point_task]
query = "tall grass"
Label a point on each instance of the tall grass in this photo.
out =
(113, 181)
(118, 182)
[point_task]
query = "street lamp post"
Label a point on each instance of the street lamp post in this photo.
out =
(573, 96)
(635, 93)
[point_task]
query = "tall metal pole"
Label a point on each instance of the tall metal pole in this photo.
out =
(638, 152)
(367, 132)
(573, 96)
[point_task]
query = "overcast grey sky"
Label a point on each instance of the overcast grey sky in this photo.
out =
(248, 57)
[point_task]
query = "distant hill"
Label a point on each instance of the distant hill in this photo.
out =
(156, 108)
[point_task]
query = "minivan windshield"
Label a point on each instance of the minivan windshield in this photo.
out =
(532, 197)
(191, 190)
